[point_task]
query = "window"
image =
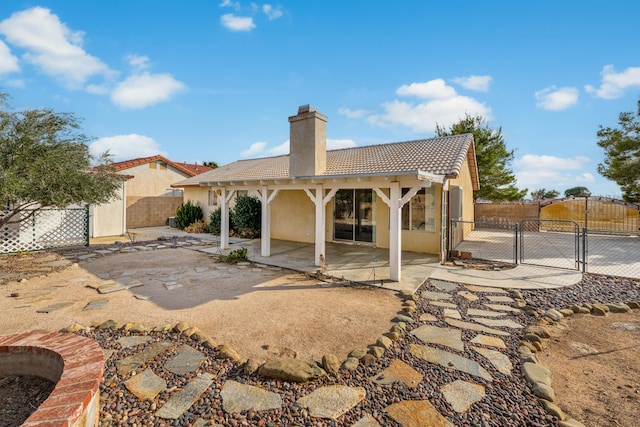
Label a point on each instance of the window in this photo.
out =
(163, 166)
(212, 198)
(419, 214)
(173, 192)
(152, 165)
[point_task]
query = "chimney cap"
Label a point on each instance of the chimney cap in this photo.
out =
(306, 109)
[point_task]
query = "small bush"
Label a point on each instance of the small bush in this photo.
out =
(198, 227)
(187, 214)
(246, 216)
(234, 257)
(215, 221)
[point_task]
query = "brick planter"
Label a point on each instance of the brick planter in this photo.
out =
(73, 362)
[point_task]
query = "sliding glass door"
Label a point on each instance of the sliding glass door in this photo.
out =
(354, 215)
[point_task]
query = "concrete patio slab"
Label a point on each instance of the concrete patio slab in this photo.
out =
(355, 263)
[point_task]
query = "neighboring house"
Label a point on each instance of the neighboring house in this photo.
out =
(397, 196)
(147, 194)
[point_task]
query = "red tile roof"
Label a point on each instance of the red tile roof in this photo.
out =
(190, 169)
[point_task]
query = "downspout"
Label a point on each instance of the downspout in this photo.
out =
(444, 221)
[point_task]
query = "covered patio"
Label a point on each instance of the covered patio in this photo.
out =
(356, 263)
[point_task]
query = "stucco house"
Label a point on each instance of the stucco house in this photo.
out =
(145, 199)
(150, 199)
(397, 195)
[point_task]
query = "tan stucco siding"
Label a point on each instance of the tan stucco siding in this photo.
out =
(464, 181)
(426, 241)
(108, 219)
(200, 195)
(148, 182)
(293, 217)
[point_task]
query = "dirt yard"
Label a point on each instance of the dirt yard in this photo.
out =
(259, 312)
(594, 361)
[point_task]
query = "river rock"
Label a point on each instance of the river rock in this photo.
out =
(297, 370)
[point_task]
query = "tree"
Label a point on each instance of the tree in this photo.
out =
(542, 193)
(45, 162)
(622, 154)
(210, 164)
(577, 192)
(497, 181)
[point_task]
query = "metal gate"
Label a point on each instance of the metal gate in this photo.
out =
(550, 243)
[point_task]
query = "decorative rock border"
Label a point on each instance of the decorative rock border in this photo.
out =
(73, 362)
(283, 368)
(534, 340)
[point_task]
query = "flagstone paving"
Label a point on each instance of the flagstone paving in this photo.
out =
(181, 401)
(237, 397)
(146, 385)
(332, 401)
(442, 336)
(187, 360)
(456, 311)
(462, 394)
(499, 323)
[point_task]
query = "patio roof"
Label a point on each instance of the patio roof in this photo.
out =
(438, 157)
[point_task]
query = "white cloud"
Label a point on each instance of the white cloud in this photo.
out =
(279, 150)
(125, 147)
(271, 12)
(535, 171)
(98, 89)
(336, 144)
(534, 161)
(229, 3)
(237, 23)
(442, 105)
(258, 148)
(51, 46)
(143, 90)
(433, 89)
(614, 84)
(353, 114)
(556, 99)
(585, 177)
(138, 62)
(255, 148)
(423, 117)
(17, 83)
(8, 62)
(477, 83)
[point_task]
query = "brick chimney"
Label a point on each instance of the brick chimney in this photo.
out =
(307, 143)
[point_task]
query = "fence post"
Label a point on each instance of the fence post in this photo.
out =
(86, 226)
(515, 243)
(585, 251)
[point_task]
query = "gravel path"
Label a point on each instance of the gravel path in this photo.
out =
(508, 400)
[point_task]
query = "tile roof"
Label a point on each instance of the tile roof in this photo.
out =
(438, 156)
(187, 168)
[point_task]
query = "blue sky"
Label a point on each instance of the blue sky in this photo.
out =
(216, 80)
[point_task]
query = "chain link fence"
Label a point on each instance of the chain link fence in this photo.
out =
(45, 229)
(552, 243)
(615, 253)
(485, 240)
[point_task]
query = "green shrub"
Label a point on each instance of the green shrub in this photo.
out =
(198, 227)
(215, 221)
(246, 216)
(234, 257)
(187, 214)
